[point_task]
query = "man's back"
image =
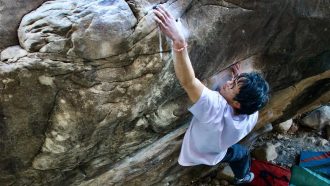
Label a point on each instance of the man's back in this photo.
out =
(213, 129)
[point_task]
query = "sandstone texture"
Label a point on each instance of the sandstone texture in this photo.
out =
(89, 97)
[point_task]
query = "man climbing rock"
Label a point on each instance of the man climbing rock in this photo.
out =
(220, 118)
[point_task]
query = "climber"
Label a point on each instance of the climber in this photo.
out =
(220, 118)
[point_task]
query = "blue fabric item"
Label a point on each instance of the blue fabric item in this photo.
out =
(318, 162)
(304, 177)
(238, 157)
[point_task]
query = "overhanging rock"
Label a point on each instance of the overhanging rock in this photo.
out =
(95, 90)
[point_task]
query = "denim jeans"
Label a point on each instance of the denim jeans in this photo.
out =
(238, 157)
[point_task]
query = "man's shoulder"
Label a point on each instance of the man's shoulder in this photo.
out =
(253, 118)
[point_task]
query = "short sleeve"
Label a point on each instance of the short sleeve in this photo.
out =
(208, 106)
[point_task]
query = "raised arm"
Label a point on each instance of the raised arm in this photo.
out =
(182, 64)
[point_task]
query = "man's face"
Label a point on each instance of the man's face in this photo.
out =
(229, 90)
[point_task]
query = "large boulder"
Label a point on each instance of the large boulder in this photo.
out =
(94, 29)
(317, 119)
(11, 13)
(95, 100)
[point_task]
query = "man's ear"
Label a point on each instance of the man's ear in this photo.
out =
(236, 105)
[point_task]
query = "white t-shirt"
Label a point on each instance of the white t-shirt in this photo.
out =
(213, 129)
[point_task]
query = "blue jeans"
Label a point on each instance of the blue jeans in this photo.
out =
(239, 160)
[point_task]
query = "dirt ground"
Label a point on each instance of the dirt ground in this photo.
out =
(289, 146)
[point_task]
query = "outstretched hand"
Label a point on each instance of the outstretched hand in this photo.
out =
(169, 26)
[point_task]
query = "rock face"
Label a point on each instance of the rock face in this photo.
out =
(94, 99)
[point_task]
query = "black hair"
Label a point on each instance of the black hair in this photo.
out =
(253, 94)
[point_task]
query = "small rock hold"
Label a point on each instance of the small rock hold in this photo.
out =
(284, 126)
(266, 152)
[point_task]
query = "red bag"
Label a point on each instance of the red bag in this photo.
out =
(267, 174)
